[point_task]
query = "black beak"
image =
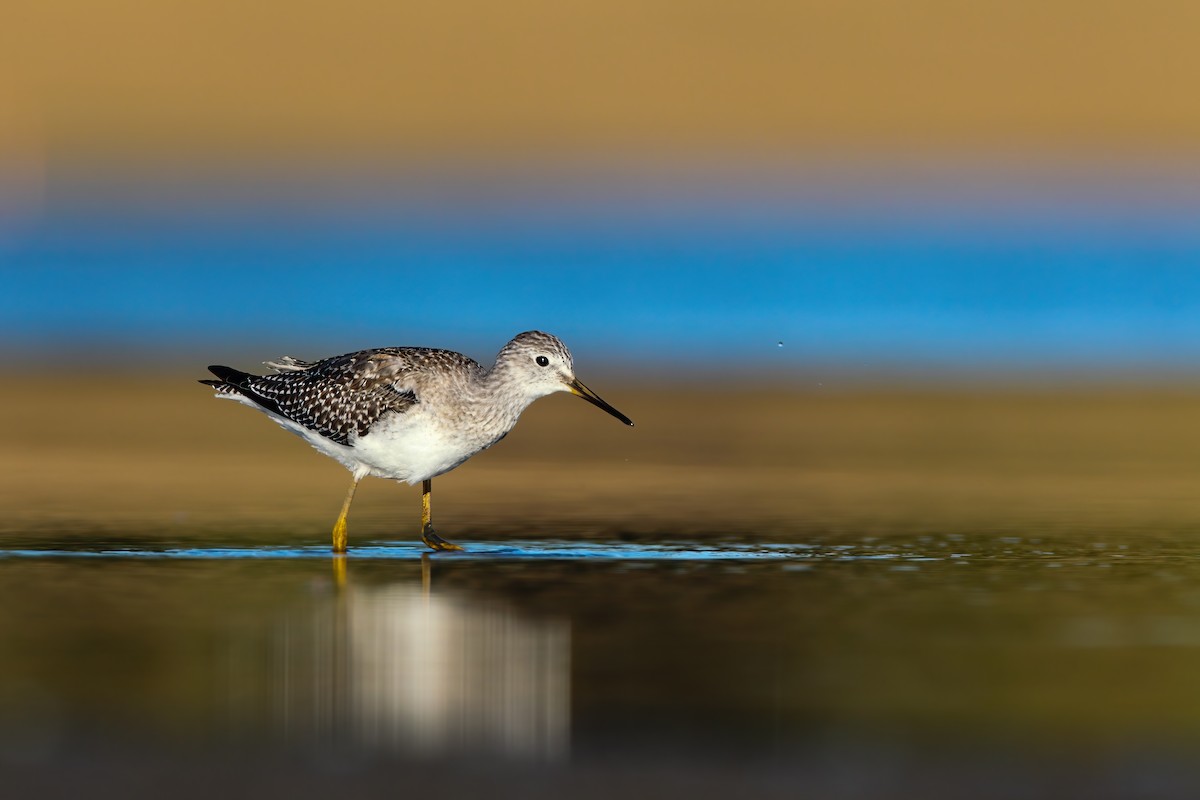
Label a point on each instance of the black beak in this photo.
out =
(576, 388)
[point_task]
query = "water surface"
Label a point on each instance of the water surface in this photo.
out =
(544, 649)
(844, 595)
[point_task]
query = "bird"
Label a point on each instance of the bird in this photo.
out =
(407, 413)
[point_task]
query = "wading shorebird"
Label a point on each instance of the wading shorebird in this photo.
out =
(407, 413)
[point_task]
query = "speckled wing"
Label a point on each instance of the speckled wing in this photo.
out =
(336, 397)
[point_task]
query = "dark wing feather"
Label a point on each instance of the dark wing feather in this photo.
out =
(336, 397)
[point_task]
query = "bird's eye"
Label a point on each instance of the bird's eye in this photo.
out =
(543, 361)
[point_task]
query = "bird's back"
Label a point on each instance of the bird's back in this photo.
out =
(344, 396)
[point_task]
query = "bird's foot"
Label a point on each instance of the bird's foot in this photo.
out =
(339, 535)
(436, 542)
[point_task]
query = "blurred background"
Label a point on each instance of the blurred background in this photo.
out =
(789, 189)
(908, 291)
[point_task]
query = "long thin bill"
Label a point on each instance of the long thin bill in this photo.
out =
(579, 390)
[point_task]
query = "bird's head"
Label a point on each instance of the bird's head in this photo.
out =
(541, 364)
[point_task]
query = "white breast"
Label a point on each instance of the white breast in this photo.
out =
(409, 447)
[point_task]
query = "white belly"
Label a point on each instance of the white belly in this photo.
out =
(404, 447)
(407, 447)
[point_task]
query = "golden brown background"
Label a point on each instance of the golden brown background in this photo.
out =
(467, 80)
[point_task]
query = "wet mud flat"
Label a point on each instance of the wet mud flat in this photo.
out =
(859, 594)
(159, 456)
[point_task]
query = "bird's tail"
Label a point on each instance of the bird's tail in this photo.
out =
(233, 382)
(230, 380)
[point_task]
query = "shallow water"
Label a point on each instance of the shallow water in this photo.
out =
(556, 650)
(949, 594)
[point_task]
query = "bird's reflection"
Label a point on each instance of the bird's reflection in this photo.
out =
(409, 669)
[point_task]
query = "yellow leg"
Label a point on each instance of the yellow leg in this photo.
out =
(339, 527)
(427, 535)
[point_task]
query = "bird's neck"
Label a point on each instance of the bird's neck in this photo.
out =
(498, 400)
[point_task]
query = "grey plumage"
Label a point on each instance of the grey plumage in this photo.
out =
(407, 413)
(341, 395)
